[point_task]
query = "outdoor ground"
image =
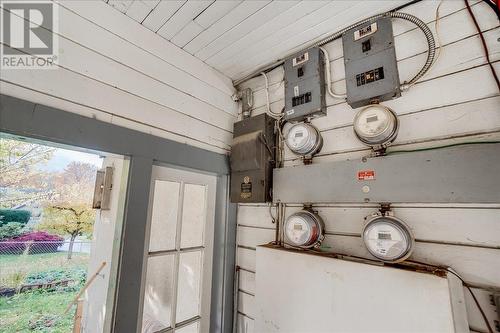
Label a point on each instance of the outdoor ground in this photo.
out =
(40, 310)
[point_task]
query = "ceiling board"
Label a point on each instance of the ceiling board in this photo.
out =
(235, 16)
(190, 31)
(121, 5)
(182, 17)
(215, 12)
(237, 40)
(259, 18)
(139, 9)
(236, 37)
(162, 14)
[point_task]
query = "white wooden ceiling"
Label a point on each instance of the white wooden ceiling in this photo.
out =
(237, 37)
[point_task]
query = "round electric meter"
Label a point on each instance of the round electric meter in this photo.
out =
(304, 139)
(376, 125)
(388, 238)
(304, 229)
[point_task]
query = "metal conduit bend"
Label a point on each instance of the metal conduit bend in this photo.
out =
(431, 53)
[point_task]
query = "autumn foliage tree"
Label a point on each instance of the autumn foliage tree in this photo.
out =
(19, 162)
(72, 220)
(71, 212)
(75, 184)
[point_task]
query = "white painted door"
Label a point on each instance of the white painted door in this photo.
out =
(179, 260)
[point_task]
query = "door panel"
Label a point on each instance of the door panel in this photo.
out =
(164, 215)
(179, 265)
(188, 290)
(159, 290)
(193, 215)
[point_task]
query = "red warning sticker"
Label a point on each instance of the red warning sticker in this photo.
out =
(366, 175)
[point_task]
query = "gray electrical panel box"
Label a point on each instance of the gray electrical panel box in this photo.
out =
(370, 63)
(305, 85)
(252, 159)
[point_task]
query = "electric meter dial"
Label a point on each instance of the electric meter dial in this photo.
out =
(376, 125)
(304, 139)
(388, 238)
(304, 229)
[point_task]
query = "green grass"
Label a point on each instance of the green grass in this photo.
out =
(39, 311)
(14, 266)
(36, 312)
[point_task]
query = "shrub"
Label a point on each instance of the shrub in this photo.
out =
(48, 276)
(10, 230)
(41, 322)
(13, 280)
(75, 274)
(32, 242)
(14, 215)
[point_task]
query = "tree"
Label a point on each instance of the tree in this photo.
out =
(13, 222)
(76, 183)
(20, 179)
(18, 161)
(14, 215)
(71, 213)
(74, 220)
(10, 230)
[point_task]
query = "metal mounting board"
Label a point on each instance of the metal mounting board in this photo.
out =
(466, 174)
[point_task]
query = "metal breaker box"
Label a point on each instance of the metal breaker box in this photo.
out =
(305, 85)
(252, 159)
(370, 63)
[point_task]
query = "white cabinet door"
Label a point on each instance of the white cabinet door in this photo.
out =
(178, 275)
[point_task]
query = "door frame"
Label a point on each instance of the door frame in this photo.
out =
(27, 119)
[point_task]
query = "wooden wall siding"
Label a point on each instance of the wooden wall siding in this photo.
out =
(237, 36)
(456, 102)
(131, 77)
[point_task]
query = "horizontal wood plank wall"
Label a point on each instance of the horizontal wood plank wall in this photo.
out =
(114, 69)
(456, 102)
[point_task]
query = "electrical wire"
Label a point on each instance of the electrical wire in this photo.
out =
(281, 140)
(483, 41)
(236, 287)
(273, 218)
(431, 52)
(437, 17)
(494, 5)
(268, 104)
(441, 147)
(415, 20)
(328, 76)
(466, 285)
(439, 46)
(278, 62)
(490, 330)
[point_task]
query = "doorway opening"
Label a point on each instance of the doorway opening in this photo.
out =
(57, 253)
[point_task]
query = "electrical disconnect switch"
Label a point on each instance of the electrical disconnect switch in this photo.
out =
(252, 159)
